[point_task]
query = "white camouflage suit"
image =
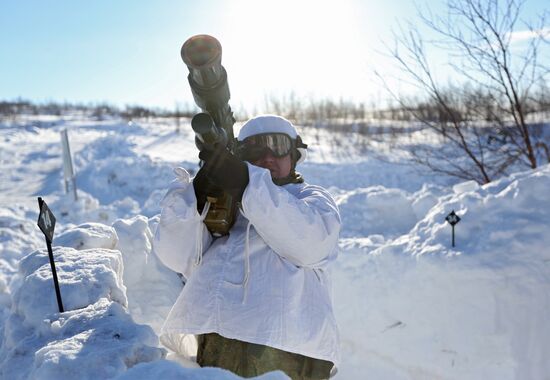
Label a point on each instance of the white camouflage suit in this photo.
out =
(267, 282)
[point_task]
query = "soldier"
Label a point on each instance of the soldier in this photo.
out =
(259, 298)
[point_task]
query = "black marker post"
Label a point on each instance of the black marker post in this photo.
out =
(453, 219)
(46, 223)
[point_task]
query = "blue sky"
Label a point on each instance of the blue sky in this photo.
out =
(127, 52)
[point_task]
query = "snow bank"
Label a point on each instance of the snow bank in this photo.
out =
(384, 211)
(88, 235)
(152, 288)
(97, 342)
(94, 338)
(17, 225)
(377, 210)
(166, 369)
(86, 276)
(476, 311)
(16, 237)
(110, 169)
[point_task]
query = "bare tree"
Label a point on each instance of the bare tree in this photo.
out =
(488, 116)
(339, 114)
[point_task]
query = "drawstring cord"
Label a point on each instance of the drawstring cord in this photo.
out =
(246, 277)
(246, 261)
(198, 256)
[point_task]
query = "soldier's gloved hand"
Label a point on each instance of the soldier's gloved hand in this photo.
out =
(225, 170)
(204, 188)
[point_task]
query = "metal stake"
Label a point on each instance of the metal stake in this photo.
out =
(453, 228)
(452, 219)
(46, 222)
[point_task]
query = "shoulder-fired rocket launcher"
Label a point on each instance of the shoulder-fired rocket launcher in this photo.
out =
(214, 126)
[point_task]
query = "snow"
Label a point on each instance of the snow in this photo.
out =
(91, 235)
(475, 311)
(150, 300)
(409, 305)
(39, 342)
(166, 369)
(465, 187)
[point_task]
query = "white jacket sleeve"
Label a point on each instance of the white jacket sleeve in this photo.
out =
(181, 236)
(303, 228)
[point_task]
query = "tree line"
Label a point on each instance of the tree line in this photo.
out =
(11, 109)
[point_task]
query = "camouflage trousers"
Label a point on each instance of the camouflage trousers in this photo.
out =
(249, 359)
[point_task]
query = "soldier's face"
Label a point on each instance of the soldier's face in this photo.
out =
(278, 166)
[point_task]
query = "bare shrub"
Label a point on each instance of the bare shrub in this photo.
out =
(489, 117)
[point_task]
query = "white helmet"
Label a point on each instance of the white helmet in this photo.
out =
(273, 124)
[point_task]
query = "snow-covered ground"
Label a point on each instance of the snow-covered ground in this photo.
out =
(409, 305)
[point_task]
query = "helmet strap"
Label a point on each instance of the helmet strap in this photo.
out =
(293, 176)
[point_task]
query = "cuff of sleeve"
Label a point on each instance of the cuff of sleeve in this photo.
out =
(258, 177)
(180, 201)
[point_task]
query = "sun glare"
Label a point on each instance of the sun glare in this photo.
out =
(279, 47)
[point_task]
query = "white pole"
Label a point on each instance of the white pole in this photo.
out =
(68, 171)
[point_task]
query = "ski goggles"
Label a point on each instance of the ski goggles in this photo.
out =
(255, 147)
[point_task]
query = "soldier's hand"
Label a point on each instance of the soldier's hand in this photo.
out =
(204, 187)
(225, 170)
